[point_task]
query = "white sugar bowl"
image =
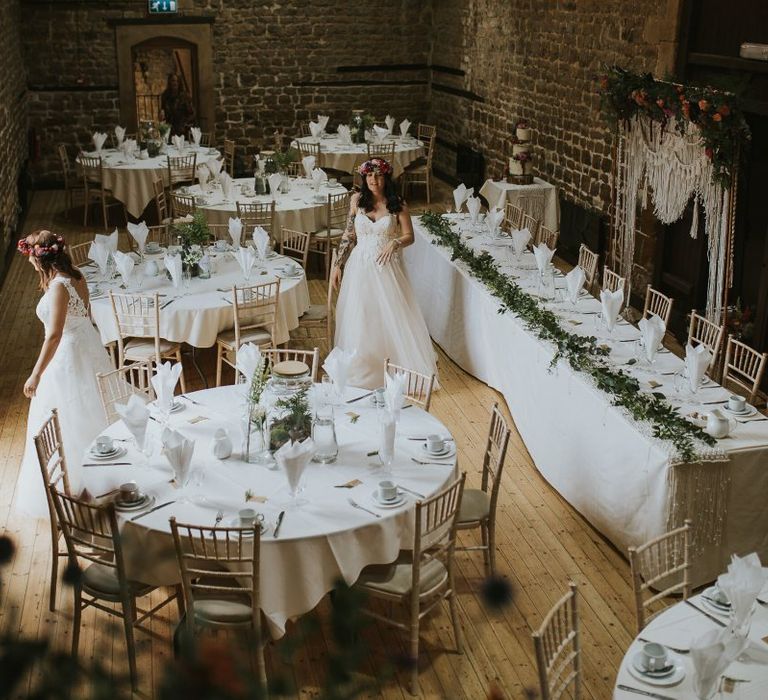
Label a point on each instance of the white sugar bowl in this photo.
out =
(222, 445)
(718, 425)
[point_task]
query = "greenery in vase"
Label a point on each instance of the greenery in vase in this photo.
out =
(295, 424)
(194, 234)
(284, 158)
(258, 383)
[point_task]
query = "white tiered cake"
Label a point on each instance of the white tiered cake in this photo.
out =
(520, 161)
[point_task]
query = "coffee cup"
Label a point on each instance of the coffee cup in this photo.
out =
(152, 246)
(332, 182)
(247, 517)
(129, 492)
(435, 444)
(221, 245)
(736, 403)
(151, 269)
(378, 397)
(104, 444)
(654, 656)
(387, 491)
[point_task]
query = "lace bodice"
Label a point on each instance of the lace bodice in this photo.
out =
(372, 236)
(77, 313)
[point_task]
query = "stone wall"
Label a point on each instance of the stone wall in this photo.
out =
(13, 134)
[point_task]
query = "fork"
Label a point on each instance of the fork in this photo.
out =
(219, 517)
(355, 504)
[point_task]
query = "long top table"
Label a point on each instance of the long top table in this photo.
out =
(605, 464)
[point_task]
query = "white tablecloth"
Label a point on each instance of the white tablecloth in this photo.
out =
(678, 626)
(346, 157)
(323, 540)
(198, 314)
(301, 209)
(605, 464)
(538, 199)
(131, 181)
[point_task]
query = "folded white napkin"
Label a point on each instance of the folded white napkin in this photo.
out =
(742, 584)
(248, 360)
(709, 657)
(520, 239)
(215, 165)
(574, 281)
(98, 140)
(473, 207)
(460, 194)
(336, 366)
(308, 162)
(129, 147)
(404, 126)
(124, 264)
(235, 231)
(261, 241)
(345, 136)
(139, 232)
(390, 122)
(246, 258)
(696, 364)
(322, 120)
(543, 255)
(173, 265)
(274, 180)
(315, 129)
(203, 173)
(293, 458)
(135, 415)
(611, 306)
(120, 135)
(227, 187)
(178, 142)
(109, 240)
(381, 132)
(387, 434)
(652, 330)
(318, 176)
(196, 135)
(178, 451)
(394, 391)
(493, 219)
(99, 253)
(164, 381)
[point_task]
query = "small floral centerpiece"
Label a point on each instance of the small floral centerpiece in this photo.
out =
(739, 322)
(193, 233)
(165, 130)
(284, 158)
(292, 420)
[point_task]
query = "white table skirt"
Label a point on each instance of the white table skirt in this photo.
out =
(594, 454)
(324, 540)
(131, 182)
(199, 316)
(680, 625)
(538, 199)
(347, 157)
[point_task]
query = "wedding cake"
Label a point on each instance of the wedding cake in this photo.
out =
(520, 165)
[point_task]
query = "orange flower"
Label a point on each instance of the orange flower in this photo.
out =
(703, 105)
(717, 117)
(724, 110)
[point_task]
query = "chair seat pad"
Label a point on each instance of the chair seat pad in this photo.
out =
(139, 349)
(334, 233)
(316, 312)
(100, 579)
(223, 611)
(475, 505)
(395, 579)
(259, 336)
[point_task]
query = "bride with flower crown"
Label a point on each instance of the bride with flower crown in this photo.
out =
(64, 376)
(377, 314)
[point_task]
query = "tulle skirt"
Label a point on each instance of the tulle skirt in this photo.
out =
(377, 314)
(69, 385)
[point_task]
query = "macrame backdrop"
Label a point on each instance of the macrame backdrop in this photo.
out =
(676, 168)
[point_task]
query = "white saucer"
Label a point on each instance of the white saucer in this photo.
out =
(673, 678)
(155, 251)
(448, 451)
(388, 504)
(235, 522)
(144, 502)
(119, 451)
(748, 411)
(637, 664)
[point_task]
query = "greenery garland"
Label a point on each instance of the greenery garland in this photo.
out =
(583, 354)
(724, 130)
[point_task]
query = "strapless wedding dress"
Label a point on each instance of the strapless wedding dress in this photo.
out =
(68, 384)
(377, 313)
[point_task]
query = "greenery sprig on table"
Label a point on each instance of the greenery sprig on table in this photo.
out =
(582, 353)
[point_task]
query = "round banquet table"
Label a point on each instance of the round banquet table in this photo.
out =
(131, 181)
(318, 542)
(346, 157)
(198, 314)
(300, 209)
(676, 628)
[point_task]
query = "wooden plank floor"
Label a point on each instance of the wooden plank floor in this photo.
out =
(542, 543)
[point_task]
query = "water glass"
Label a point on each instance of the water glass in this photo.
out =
(387, 432)
(186, 276)
(324, 435)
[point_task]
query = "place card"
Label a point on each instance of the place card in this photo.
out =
(574, 322)
(349, 484)
(654, 384)
(251, 496)
(197, 419)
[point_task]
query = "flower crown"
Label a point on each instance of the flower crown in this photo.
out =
(375, 165)
(42, 251)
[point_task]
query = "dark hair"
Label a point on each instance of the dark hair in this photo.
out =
(394, 201)
(52, 262)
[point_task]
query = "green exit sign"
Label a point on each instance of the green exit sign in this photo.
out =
(162, 7)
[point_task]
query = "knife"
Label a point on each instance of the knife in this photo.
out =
(358, 398)
(647, 693)
(279, 523)
(107, 464)
(706, 614)
(151, 510)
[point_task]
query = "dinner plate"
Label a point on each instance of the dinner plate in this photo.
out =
(448, 451)
(394, 503)
(235, 522)
(119, 451)
(748, 411)
(673, 678)
(145, 501)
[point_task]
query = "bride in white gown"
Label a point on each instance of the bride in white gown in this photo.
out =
(64, 376)
(377, 314)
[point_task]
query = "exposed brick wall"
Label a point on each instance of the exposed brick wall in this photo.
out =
(13, 137)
